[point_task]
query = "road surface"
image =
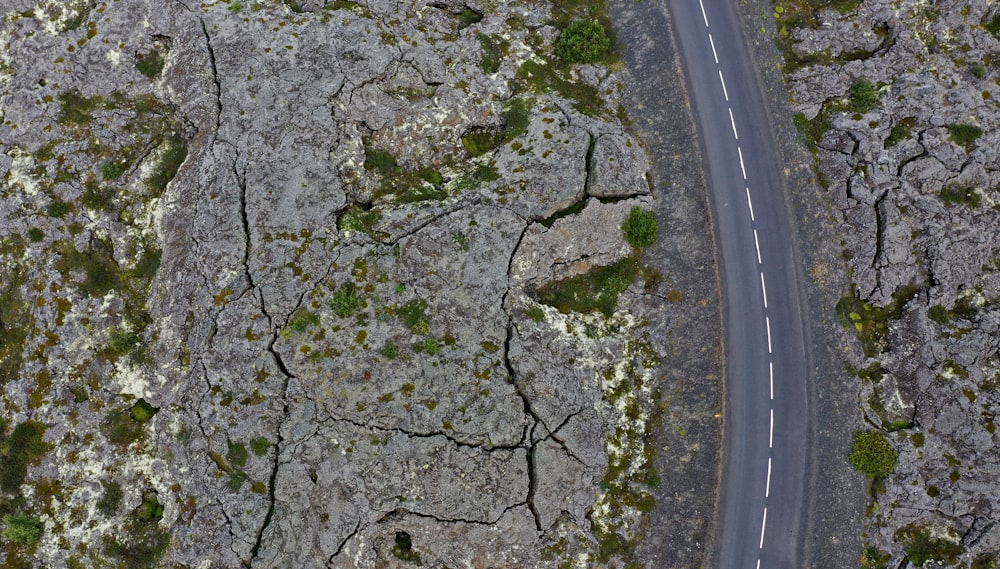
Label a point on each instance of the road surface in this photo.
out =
(765, 453)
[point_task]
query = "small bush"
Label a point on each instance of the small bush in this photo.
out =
(922, 547)
(142, 411)
(993, 26)
(390, 351)
(260, 446)
(862, 96)
(492, 54)
(640, 228)
(21, 448)
(237, 454)
(150, 64)
(964, 134)
(536, 314)
(112, 170)
(873, 455)
(58, 208)
(172, 156)
(21, 528)
(403, 549)
(583, 41)
(414, 315)
(597, 290)
(898, 133)
(111, 500)
(957, 195)
(345, 301)
(812, 130)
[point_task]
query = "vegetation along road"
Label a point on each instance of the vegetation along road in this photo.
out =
(766, 448)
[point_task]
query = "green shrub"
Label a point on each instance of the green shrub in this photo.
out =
(24, 446)
(964, 134)
(535, 313)
(873, 558)
(938, 314)
(21, 528)
(993, 25)
(237, 454)
(492, 54)
(121, 428)
(111, 500)
(390, 351)
(862, 96)
(58, 208)
(640, 228)
(35, 234)
(260, 446)
(899, 132)
(597, 290)
(303, 318)
(812, 130)
(583, 41)
(414, 315)
(171, 157)
(429, 345)
(151, 64)
(922, 547)
(958, 195)
(356, 218)
(111, 170)
(345, 301)
(873, 455)
(142, 411)
(403, 549)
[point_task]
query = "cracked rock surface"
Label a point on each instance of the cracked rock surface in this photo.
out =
(900, 100)
(271, 281)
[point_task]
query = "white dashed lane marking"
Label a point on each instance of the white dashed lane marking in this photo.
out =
(763, 286)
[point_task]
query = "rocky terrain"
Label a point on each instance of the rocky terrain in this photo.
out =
(899, 102)
(330, 284)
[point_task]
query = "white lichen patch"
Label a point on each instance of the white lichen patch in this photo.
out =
(19, 174)
(114, 56)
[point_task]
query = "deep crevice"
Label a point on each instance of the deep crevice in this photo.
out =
(215, 76)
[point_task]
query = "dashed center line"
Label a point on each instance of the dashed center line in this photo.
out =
(763, 287)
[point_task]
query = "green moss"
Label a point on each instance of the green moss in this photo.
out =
(172, 154)
(356, 218)
(111, 500)
(260, 446)
(812, 130)
(237, 454)
(550, 76)
(917, 439)
(873, 558)
(122, 429)
(922, 547)
(862, 96)
(35, 235)
(22, 528)
(870, 324)
(23, 447)
(957, 195)
(58, 208)
(899, 132)
(429, 345)
(403, 549)
(993, 25)
(640, 228)
(151, 64)
(390, 351)
(873, 455)
(597, 290)
(535, 313)
(302, 319)
(345, 301)
(142, 411)
(75, 109)
(112, 170)
(414, 315)
(964, 134)
(492, 53)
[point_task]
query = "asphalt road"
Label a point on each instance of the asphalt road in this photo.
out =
(763, 523)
